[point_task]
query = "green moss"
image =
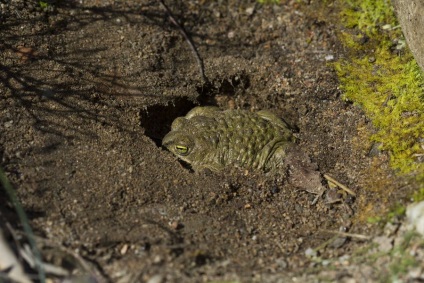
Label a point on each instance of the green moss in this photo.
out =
(387, 83)
(269, 1)
(367, 15)
(43, 4)
(397, 211)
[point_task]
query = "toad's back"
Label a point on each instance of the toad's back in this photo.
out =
(232, 137)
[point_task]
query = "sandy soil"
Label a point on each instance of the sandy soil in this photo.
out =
(88, 90)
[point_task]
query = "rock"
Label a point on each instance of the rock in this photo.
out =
(415, 215)
(411, 17)
(156, 279)
(309, 252)
(385, 244)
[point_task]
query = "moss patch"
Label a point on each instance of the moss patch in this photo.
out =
(367, 15)
(382, 77)
(268, 1)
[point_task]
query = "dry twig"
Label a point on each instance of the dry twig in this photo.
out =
(9, 261)
(4, 181)
(90, 270)
(340, 185)
(344, 234)
(187, 38)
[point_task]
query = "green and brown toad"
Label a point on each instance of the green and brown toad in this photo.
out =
(208, 138)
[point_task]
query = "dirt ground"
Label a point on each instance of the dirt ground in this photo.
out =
(89, 88)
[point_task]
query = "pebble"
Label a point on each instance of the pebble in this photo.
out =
(8, 124)
(390, 229)
(415, 215)
(416, 273)
(250, 10)
(281, 262)
(156, 279)
(124, 249)
(385, 244)
(309, 252)
(338, 242)
(371, 59)
(329, 57)
(387, 27)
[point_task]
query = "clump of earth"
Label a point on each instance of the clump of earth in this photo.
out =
(88, 91)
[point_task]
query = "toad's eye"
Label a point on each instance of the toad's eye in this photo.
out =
(182, 149)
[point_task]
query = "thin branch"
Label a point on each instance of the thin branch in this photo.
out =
(4, 181)
(92, 271)
(340, 185)
(344, 234)
(9, 261)
(26, 253)
(187, 38)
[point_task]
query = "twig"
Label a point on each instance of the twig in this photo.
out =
(338, 234)
(92, 271)
(9, 261)
(344, 234)
(26, 253)
(25, 224)
(187, 38)
(340, 185)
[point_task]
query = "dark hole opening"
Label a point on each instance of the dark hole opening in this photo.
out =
(157, 119)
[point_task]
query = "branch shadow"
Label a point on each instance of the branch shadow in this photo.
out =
(59, 75)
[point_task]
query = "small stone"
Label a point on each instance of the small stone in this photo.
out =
(385, 244)
(175, 225)
(375, 150)
(401, 44)
(344, 260)
(329, 57)
(281, 262)
(325, 262)
(338, 242)
(416, 273)
(155, 279)
(124, 249)
(387, 26)
(371, 59)
(390, 229)
(309, 252)
(250, 10)
(333, 195)
(8, 124)
(415, 215)
(157, 259)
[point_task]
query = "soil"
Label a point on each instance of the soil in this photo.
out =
(88, 90)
